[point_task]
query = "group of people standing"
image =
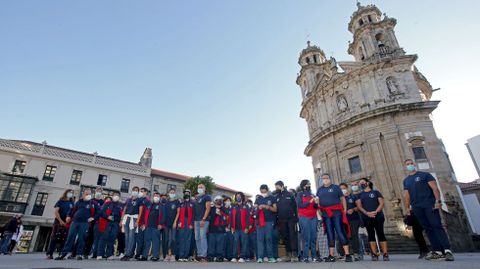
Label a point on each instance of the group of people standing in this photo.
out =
(238, 229)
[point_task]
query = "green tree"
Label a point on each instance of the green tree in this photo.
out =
(192, 184)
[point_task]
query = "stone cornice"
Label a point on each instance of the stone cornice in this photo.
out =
(429, 106)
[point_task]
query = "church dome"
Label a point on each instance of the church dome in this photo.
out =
(364, 15)
(311, 55)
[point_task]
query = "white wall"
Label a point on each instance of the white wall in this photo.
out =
(473, 145)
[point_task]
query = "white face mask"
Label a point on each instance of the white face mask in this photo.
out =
(264, 194)
(345, 191)
(156, 199)
(228, 204)
(98, 194)
(115, 198)
(354, 188)
(69, 195)
(134, 193)
(172, 195)
(141, 194)
(201, 191)
(88, 197)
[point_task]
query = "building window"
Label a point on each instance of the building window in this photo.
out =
(40, 203)
(355, 165)
(360, 22)
(19, 167)
(14, 193)
(49, 174)
(419, 153)
(102, 180)
(76, 177)
(369, 18)
(171, 187)
(156, 188)
(125, 185)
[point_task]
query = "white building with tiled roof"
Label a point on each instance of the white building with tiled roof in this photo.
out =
(33, 176)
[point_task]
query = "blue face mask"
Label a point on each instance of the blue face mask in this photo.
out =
(411, 168)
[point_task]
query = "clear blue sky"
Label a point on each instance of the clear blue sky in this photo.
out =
(209, 85)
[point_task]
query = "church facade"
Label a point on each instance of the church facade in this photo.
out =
(365, 117)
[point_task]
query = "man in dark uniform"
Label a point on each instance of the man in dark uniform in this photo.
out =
(287, 220)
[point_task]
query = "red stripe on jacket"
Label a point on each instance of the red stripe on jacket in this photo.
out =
(181, 224)
(147, 213)
(243, 218)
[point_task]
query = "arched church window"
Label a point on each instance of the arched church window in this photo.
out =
(369, 18)
(308, 60)
(315, 58)
(360, 22)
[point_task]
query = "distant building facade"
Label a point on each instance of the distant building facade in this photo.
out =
(33, 176)
(473, 146)
(365, 117)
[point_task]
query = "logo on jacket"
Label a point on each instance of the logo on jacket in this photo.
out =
(350, 200)
(269, 202)
(417, 179)
(330, 190)
(173, 206)
(372, 195)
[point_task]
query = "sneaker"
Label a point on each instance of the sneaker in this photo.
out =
(386, 258)
(142, 259)
(241, 260)
(234, 260)
(111, 258)
(330, 258)
(125, 258)
(154, 259)
(93, 257)
(294, 259)
(265, 259)
(348, 258)
(85, 257)
(49, 257)
(305, 260)
(99, 258)
(61, 257)
(121, 255)
(449, 256)
(272, 260)
(356, 257)
(374, 257)
(260, 261)
(79, 258)
(279, 260)
(433, 256)
(71, 257)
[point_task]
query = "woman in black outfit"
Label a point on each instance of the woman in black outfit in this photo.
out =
(370, 203)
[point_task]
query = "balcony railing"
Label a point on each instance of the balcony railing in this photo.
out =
(13, 207)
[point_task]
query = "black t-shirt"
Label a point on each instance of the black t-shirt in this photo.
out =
(370, 200)
(200, 207)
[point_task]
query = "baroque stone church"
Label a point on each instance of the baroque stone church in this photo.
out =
(365, 117)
